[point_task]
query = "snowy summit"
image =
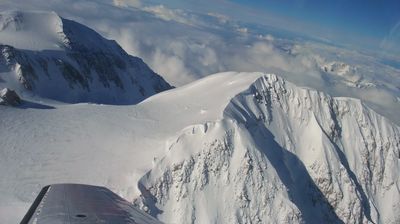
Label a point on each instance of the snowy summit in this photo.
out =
(60, 59)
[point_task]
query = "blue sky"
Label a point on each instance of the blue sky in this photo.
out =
(362, 23)
(374, 18)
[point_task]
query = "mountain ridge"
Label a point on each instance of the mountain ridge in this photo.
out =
(307, 153)
(74, 64)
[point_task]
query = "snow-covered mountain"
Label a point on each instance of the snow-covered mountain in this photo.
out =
(60, 59)
(229, 148)
(280, 154)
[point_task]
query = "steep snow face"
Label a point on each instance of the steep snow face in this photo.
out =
(66, 61)
(280, 154)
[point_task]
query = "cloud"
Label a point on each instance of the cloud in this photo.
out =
(168, 14)
(127, 3)
(267, 37)
(243, 30)
(223, 19)
(173, 65)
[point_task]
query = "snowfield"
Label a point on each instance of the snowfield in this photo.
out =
(229, 148)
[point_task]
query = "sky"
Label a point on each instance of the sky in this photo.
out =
(369, 17)
(368, 24)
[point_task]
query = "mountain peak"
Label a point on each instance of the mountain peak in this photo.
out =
(67, 61)
(279, 154)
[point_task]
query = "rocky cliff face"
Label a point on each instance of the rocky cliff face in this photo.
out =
(74, 63)
(282, 154)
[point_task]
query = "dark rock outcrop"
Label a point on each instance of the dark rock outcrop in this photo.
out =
(9, 97)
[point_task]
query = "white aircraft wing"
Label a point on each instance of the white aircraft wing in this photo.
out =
(83, 204)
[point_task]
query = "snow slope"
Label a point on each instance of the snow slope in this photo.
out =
(66, 61)
(229, 148)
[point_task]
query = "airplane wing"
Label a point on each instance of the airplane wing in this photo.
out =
(83, 204)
